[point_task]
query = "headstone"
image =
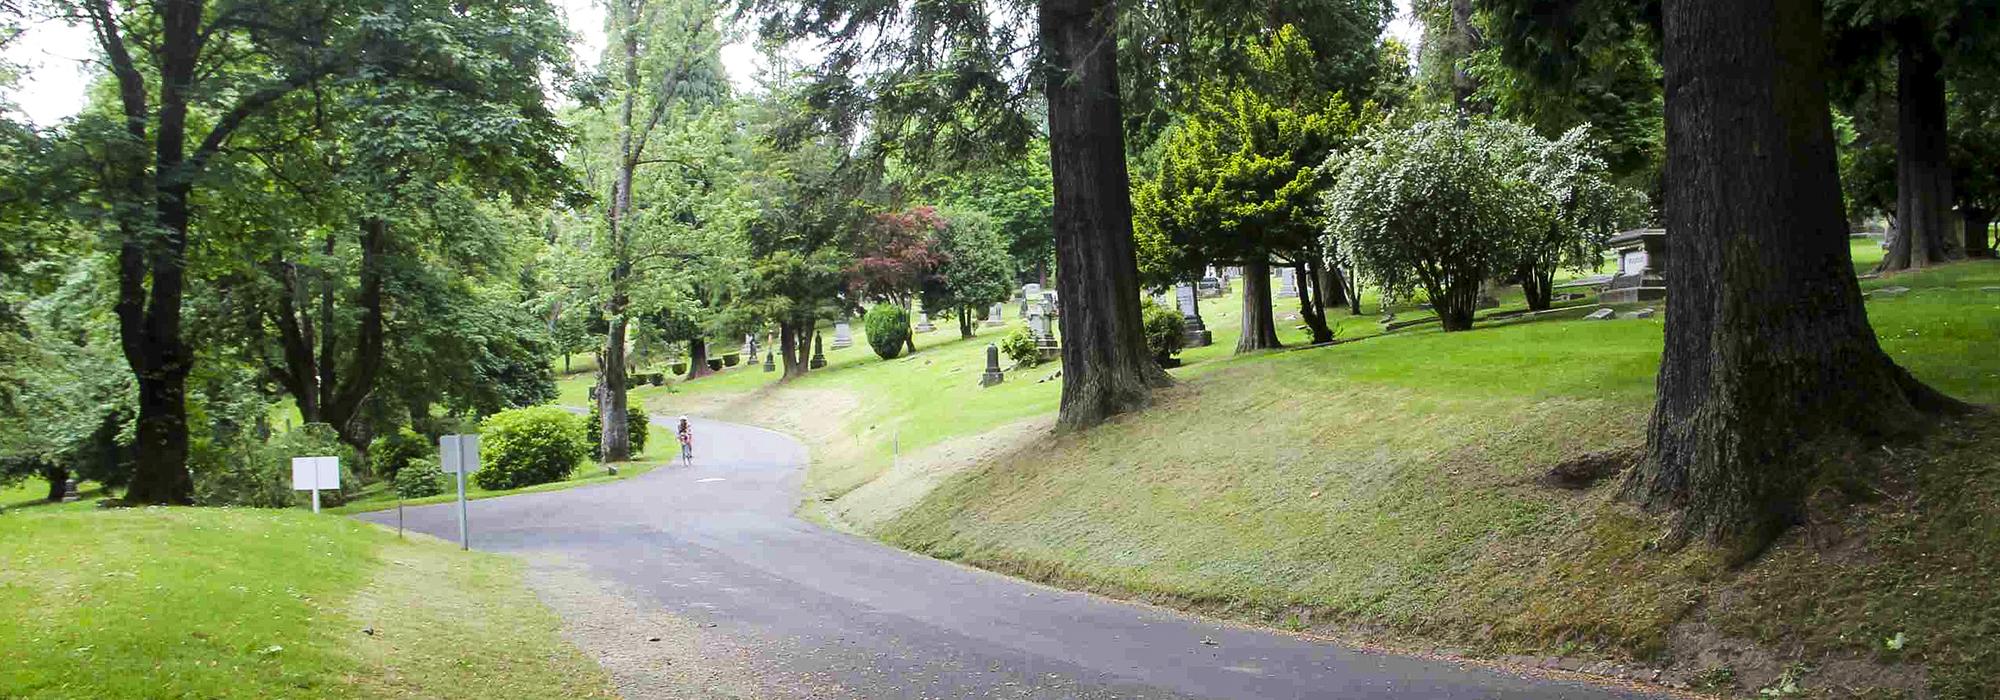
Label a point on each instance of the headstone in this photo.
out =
(1642, 313)
(1989, 289)
(770, 361)
(1031, 292)
(1038, 322)
(1197, 334)
(69, 491)
(1892, 291)
(1602, 314)
(1211, 287)
(843, 335)
(924, 322)
(993, 375)
(819, 353)
(1288, 283)
(1642, 267)
(996, 316)
(750, 346)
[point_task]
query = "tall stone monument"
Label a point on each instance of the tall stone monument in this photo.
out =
(993, 375)
(843, 334)
(1288, 283)
(819, 353)
(1197, 335)
(924, 322)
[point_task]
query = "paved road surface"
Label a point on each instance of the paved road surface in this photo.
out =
(718, 544)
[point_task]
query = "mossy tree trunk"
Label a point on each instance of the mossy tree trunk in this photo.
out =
(1260, 330)
(1106, 369)
(1923, 169)
(1770, 365)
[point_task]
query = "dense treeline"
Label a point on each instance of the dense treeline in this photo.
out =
(393, 218)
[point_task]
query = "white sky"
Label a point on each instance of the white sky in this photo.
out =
(58, 58)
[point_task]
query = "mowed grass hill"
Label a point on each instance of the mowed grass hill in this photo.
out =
(237, 603)
(1399, 489)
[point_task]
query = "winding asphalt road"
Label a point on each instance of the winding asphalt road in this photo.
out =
(718, 544)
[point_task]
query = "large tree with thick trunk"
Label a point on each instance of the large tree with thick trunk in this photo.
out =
(188, 79)
(1106, 367)
(1771, 371)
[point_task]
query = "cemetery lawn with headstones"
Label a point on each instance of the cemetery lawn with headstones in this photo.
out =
(1400, 489)
(249, 603)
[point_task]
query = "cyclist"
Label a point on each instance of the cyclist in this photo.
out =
(687, 442)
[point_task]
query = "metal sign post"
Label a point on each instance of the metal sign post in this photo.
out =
(459, 455)
(315, 473)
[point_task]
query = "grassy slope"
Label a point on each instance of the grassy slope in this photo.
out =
(252, 604)
(1390, 484)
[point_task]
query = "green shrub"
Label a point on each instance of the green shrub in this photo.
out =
(390, 453)
(888, 330)
(1166, 331)
(248, 474)
(1019, 346)
(528, 446)
(636, 424)
(420, 478)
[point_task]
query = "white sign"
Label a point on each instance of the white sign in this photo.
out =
(458, 454)
(315, 473)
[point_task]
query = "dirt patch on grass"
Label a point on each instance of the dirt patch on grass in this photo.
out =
(913, 476)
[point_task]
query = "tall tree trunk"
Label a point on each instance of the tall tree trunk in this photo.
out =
(1332, 288)
(150, 319)
(1770, 368)
(1310, 309)
(1260, 330)
(1464, 86)
(58, 479)
(1106, 369)
(788, 350)
(1978, 233)
(1923, 169)
(698, 359)
(342, 405)
(1538, 285)
(613, 434)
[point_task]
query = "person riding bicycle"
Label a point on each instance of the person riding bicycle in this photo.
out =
(686, 434)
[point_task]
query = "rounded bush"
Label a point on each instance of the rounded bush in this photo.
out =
(636, 424)
(1019, 346)
(391, 452)
(888, 330)
(528, 446)
(420, 478)
(1166, 331)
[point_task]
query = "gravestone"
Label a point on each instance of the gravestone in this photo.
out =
(1892, 291)
(1197, 335)
(997, 315)
(993, 375)
(69, 491)
(1602, 314)
(843, 335)
(819, 353)
(1031, 294)
(1211, 287)
(750, 346)
(1288, 283)
(1642, 267)
(1642, 313)
(770, 361)
(924, 322)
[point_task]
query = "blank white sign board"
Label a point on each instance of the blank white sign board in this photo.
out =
(315, 473)
(458, 452)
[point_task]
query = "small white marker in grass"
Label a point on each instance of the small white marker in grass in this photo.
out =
(704, 481)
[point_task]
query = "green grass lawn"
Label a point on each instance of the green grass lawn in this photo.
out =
(1391, 486)
(227, 603)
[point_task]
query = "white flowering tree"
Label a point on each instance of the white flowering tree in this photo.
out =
(1437, 206)
(1578, 208)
